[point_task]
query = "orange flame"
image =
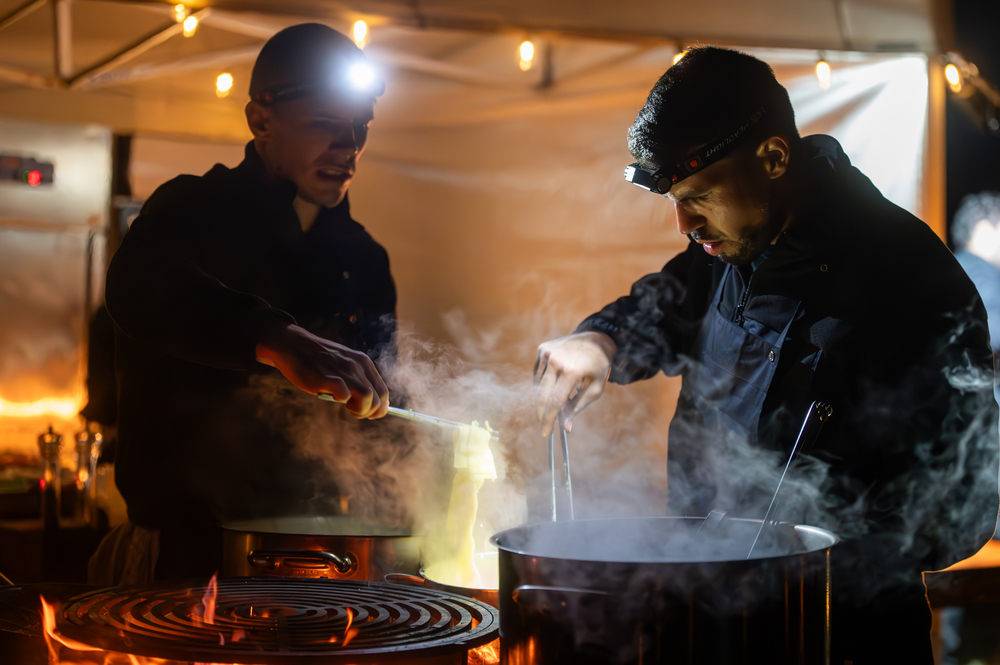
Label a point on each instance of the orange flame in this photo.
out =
(488, 654)
(49, 624)
(206, 612)
(350, 633)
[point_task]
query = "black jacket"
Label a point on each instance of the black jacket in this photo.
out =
(890, 331)
(209, 266)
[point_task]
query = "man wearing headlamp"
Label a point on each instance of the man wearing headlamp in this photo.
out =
(800, 283)
(224, 274)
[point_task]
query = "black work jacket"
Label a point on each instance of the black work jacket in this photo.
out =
(883, 324)
(212, 264)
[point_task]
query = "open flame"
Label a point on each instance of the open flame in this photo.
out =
(349, 633)
(488, 654)
(52, 633)
(206, 613)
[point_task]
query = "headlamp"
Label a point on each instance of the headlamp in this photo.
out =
(662, 179)
(354, 78)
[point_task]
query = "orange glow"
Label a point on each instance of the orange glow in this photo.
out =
(67, 408)
(49, 624)
(345, 504)
(488, 654)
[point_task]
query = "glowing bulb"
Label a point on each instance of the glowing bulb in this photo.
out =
(527, 51)
(362, 76)
(190, 25)
(360, 33)
(223, 84)
(823, 74)
(954, 77)
(680, 55)
(180, 13)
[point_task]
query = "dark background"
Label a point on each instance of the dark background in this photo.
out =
(973, 155)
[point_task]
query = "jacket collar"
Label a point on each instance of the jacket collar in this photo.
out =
(259, 181)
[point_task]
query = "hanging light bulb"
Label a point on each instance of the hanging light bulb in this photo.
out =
(527, 51)
(680, 55)
(823, 73)
(360, 33)
(223, 84)
(190, 25)
(954, 78)
(180, 13)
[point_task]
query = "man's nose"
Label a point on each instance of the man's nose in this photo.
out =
(686, 222)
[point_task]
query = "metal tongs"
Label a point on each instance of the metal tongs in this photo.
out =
(818, 413)
(419, 417)
(568, 482)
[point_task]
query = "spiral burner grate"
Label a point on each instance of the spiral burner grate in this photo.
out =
(280, 620)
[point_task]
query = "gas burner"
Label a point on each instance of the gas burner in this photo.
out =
(280, 620)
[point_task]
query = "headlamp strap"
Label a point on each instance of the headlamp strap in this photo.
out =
(661, 180)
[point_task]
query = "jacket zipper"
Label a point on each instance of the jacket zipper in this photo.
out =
(743, 302)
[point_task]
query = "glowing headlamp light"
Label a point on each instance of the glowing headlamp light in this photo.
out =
(662, 179)
(362, 76)
(356, 78)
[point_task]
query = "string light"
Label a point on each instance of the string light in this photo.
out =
(360, 33)
(190, 25)
(823, 73)
(180, 13)
(527, 51)
(223, 84)
(680, 55)
(954, 77)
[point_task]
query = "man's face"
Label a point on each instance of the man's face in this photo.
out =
(727, 207)
(315, 142)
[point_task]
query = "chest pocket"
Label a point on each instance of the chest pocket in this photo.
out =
(737, 363)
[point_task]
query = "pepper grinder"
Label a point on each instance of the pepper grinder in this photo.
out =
(49, 445)
(88, 449)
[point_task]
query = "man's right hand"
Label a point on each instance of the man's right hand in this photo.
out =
(570, 373)
(319, 366)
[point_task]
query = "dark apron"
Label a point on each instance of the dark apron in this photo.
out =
(722, 393)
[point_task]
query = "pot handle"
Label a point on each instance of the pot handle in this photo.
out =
(405, 580)
(522, 594)
(270, 559)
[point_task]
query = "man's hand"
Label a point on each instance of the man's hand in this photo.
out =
(317, 366)
(570, 373)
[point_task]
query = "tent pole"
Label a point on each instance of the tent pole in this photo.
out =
(20, 12)
(132, 52)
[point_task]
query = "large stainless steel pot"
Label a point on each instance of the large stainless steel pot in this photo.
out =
(655, 590)
(315, 547)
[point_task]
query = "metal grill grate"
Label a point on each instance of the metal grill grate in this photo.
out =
(281, 620)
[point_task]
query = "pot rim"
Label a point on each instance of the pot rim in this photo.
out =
(340, 527)
(833, 538)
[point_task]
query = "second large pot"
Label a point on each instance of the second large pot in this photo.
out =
(658, 590)
(316, 547)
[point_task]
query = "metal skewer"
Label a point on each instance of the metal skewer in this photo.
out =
(419, 417)
(818, 412)
(567, 478)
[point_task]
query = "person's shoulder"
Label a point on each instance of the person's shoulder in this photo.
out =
(186, 190)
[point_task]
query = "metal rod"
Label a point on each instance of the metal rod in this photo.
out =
(818, 412)
(552, 470)
(20, 12)
(569, 481)
(133, 51)
(407, 414)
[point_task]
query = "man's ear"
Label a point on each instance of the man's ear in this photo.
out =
(259, 119)
(774, 154)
